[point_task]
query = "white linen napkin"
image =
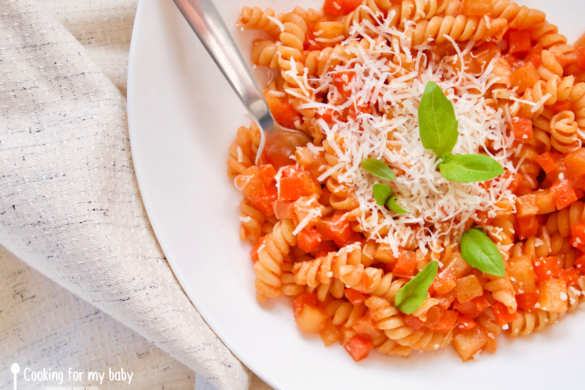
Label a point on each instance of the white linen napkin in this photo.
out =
(69, 202)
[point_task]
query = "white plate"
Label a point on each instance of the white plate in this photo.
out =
(183, 117)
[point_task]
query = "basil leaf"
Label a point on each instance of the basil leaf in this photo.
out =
(412, 294)
(393, 205)
(469, 168)
(436, 121)
(480, 252)
(378, 168)
(381, 193)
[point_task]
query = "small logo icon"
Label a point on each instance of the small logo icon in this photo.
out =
(15, 369)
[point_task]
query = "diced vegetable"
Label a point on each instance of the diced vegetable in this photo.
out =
(309, 239)
(465, 323)
(470, 342)
(472, 308)
(522, 129)
(535, 55)
(447, 322)
(336, 8)
(526, 226)
(539, 202)
(338, 229)
(282, 111)
(553, 296)
(365, 327)
(578, 236)
(283, 209)
(526, 301)
(503, 316)
(359, 347)
(355, 297)
(521, 273)
(575, 163)
(547, 161)
(296, 183)
(468, 287)
(518, 41)
(524, 77)
(563, 194)
(406, 263)
(547, 267)
(259, 186)
(308, 317)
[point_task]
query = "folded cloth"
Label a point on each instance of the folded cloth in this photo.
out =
(69, 203)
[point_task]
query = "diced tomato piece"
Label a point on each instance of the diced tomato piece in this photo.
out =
(518, 41)
(259, 186)
(547, 161)
(301, 300)
(281, 109)
(337, 228)
(578, 236)
(353, 113)
(472, 308)
(465, 322)
(359, 347)
(527, 226)
(296, 183)
(336, 8)
(254, 251)
(503, 316)
(413, 322)
(311, 43)
(524, 77)
(527, 301)
(580, 265)
(447, 321)
(406, 264)
(522, 129)
(570, 276)
(535, 55)
(365, 327)
(355, 297)
(561, 106)
(581, 57)
(563, 194)
(309, 239)
(332, 8)
(547, 267)
(575, 163)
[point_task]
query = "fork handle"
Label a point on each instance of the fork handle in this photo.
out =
(206, 22)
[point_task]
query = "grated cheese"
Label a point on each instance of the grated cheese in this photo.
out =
(438, 209)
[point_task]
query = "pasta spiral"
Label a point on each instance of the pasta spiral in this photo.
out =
(388, 319)
(265, 53)
(392, 348)
(370, 280)
(503, 291)
(562, 220)
(274, 248)
(564, 136)
(518, 16)
(547, 35)
(242, 151)
(255, 18)
(459, 28)
(343, 313)
(251, 222)
(528, 323)
(323, 269)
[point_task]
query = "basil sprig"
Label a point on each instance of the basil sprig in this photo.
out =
(469, 168)
(381, 193)
(436, 121)
(411, 296)
(480, 252)
(378, 168)
(393, 205)
(438, 133)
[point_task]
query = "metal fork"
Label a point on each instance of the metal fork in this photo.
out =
(206, 22)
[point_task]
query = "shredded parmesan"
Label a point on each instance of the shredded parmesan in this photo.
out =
(438, 209)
